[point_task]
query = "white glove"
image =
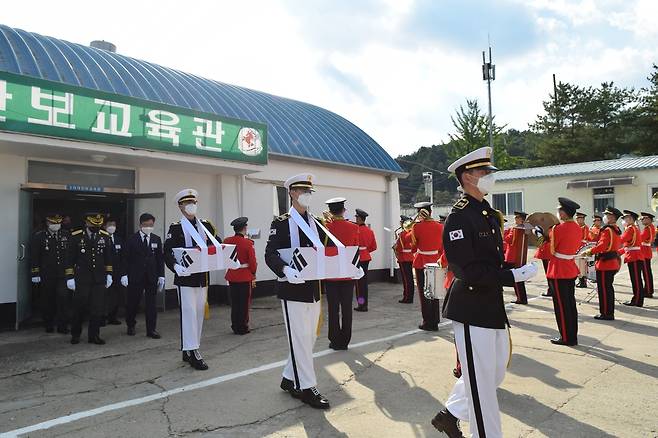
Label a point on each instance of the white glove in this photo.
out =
(70, 284)
(524, 273)
(292, 275)
(36, 280)
(360, 274)
(108, 281)
(181, 271)
(124, 281)
(161, 283)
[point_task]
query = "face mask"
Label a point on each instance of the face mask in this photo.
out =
(486, 183)
(190, 209)
(94, 229)
(304, 200)
(111, 229)
(147, 230)
(54, 227)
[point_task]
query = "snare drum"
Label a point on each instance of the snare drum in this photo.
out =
(435, 277)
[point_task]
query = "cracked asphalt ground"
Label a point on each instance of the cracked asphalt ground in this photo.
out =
(605, 387)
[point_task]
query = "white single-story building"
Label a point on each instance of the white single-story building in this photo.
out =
(624, 183)
(83, 129)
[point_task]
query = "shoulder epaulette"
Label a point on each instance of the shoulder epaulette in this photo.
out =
(283, 217)
(459, 205)
(104, 233)
(76, 232)
(174, 223)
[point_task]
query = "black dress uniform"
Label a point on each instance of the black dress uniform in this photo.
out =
(48, 255)
(114, 294)
(144, 264)
(89, 263)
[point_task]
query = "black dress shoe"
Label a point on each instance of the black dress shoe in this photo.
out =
(519, 302)
(429, 328)
(605, 318)
(196, 361)
(361, 309)
(153, 335)
(405, 301)
(630, 303)
(314, 399)
(49, 329)
(289, 386)
(75, 340)
(96, 340)
(186, 356)
(114, 322)
(560, 341)
(547, 294)
(131, 331)
(63, 330)
(447, 423)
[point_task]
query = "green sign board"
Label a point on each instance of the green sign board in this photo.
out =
(36, 106)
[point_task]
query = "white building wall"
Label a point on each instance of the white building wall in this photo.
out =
(12, 175)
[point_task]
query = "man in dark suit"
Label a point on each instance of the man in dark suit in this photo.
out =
(114, 293)
(143, 273)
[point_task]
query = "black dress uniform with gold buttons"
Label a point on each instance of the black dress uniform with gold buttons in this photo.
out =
(89, 263)
(48, 257)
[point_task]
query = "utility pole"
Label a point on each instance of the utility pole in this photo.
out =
(489, 74)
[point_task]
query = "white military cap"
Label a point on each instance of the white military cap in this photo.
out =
(186, 195)
(303, 180)
(478, 159)
(335, 200)
(423, 204)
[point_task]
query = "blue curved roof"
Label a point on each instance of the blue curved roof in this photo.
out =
(295, 129)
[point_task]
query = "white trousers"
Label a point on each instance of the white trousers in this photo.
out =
(483, 354)
(301, 330)
(192, 304)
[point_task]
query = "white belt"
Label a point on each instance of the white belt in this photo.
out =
(564, 256)
(433, 252)
(406, 250)
(632, 248)
(363, 247)
(646, 244)
(244, 265)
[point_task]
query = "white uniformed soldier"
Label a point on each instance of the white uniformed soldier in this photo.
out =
(300, 299)
(192, 288)
(473, 244)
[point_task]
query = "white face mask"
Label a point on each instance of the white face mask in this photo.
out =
(111, 229)
(486, 183)
(190, 209)
(304, 200)
(54, 227)
(147, 230)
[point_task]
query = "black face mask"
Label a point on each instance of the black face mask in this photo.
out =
(94, 229)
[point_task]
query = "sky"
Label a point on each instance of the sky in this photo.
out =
(398, 69)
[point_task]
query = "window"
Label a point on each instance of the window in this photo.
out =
(603, 198)
(281, 200)
(508, 202)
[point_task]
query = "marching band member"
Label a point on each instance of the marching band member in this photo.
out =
(632, 250)
(404, 252)
(606, 252)
(595, 229)
(580, 220)
(543, 253)
(566, 239)
(648, 236)
(367, 245)
(513, 254)
(426, 235)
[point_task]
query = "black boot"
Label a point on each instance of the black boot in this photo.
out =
(314, 399)
(197, 361)
(447, 423)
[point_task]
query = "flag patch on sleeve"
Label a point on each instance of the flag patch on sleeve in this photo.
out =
(456, 235)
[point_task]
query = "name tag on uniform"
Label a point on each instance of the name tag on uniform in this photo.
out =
(154, 246)
(117, 246)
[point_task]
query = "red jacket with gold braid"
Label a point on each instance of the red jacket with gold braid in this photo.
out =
(428, 237)
(348, 233)
(367, 243)
(631, 240)
(405, 247)
(247, 258)
(607, 248)
(566, 239)
(648, 236)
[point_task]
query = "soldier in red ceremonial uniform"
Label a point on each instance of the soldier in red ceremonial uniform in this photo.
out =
(427, 236)
(566, 239)
(241, 281)
(367, 245)
(648, 236)
(339, 290)
(632, 250)
(404, 252)
(595, 229)
(606, 253)
(543, 253)
(513, 253)
(580, 220)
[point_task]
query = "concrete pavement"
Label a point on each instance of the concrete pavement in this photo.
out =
(390, 383)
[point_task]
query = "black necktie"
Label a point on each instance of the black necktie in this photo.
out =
(146, 244)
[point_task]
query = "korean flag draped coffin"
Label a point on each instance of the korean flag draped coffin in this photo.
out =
(341, 262)
(203, 258)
